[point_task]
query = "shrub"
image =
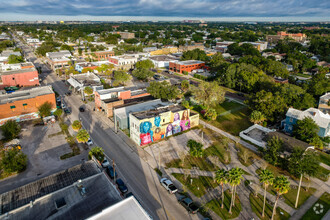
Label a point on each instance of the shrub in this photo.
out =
(10, 130)
(13, 160)
(76, 125)
(82, 136)
(97, 152)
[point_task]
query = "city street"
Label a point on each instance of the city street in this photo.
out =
(140, 178)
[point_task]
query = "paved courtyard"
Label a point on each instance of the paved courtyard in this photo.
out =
(176, 146)
(43, 146)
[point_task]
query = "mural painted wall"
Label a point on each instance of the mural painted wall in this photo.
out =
(165, 125)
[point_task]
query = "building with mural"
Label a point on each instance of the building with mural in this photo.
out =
(155, 124)
(23, 105)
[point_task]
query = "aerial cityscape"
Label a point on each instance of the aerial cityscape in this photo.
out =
(152, 110)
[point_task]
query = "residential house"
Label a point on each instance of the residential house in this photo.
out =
(324, 103)
(321, 119)
(155, 124)
(23, 105)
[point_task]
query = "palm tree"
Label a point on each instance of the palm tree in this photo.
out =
(281, 185)
(266, 177)
(221, 178)
(234, 178)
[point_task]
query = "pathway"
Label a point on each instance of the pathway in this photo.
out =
(325, 166)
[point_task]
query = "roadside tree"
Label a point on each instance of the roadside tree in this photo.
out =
(45, 109)
(82, 136)
(76, 125)
(282, 185)
(88, 90)
(208, 94)
(266, 178)
(221, 177)
(142, 74)
(97, 152)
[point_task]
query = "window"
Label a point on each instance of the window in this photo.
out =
(12, 107)
(291, 120)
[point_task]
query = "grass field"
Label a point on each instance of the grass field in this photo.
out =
(322, 173)
(257, 205)
(215, 206)
(190, 162)
(324, 158)
(324, 201)
(198, 186)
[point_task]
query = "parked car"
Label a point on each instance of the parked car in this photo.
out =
(188, 204)
(168, 185)
(121, 185)
(89, 142)
(156, 77)
(81, 109)
(129, 195)
(112, 173)
(67, 111)
(105, 163)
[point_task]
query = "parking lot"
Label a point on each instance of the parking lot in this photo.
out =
(43, 145)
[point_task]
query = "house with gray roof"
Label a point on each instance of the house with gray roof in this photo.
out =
(321, 119)
(324, 103)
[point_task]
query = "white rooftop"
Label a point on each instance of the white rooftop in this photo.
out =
(321, 119)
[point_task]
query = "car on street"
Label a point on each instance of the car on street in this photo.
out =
(105, 163)
(168, 185)
(89, 142)
(81, 109)
(188, 204)
(121, 185)
(67, 111)
(129, 195)
(112, 173)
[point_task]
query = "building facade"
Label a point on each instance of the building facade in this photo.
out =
(321, 119)
(324, 103)
(104, 55)
(152, 125)
(188, 65)
(19, 78)
(299, 37)
(23, 105)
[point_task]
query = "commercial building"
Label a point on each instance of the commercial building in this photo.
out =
(59, 60)
(17, 66)
(324, 103)
(5, 54)
(23, 105)
(183, 48)
(19, 78)
(80, 192)
(162, 61)
(187, 65)
(322, 120)
(84, 65)
(125, 35)
(155, 124)
(261, 46)
(104, 55)
(80, 81)
(299, 37)
(107, 99)
(124, 61)
(165, 50)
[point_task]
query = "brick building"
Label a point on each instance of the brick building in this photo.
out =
(106, 99)
(124, 61)
(104, 55)
(191, 47)
(299, 37)
(188, 65)
(23, 105)
(19, 78)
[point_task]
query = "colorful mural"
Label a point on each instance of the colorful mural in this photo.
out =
(165, 125)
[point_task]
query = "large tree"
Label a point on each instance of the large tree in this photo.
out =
(257, 117)
(235, 176)
(45, 109)
(163, 90)
(120, 78)
(306, 130)
(144, 64)
(273, 150)
(98, 153)
(13, 160)
(82, 136)
(142, 74)
(302, 163)
(221, 177)
(281, 185)
(266, 178)
(15, 59)
(208, 94)
(10, 130)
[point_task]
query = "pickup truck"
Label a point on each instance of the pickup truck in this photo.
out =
(188, 204)
(168, 185)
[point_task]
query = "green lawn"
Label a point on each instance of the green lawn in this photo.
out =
(228, 105)
(322, 173)
(197, 186)
(290, 197)
(219, 150)
(215, 206)
(324, 200)
(190, 162)
(324, 158)
(257, 205)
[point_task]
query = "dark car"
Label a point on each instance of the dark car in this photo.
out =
(129, 195)
(67, 111)
(189, 205)
(156, 77)
(121, 185)
(81, 109)
(112, 173)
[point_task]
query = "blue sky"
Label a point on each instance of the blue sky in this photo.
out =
(149, 9)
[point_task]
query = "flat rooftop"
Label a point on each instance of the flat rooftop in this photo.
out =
(154, 112)
(23, 195)
(163, 58)
(10, 72)
(86, 78)
(25, 94)
(189, 62)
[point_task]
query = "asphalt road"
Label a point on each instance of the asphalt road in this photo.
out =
(140, 178)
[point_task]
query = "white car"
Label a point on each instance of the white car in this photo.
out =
(168, 185)
(105, 163)
(89, 142)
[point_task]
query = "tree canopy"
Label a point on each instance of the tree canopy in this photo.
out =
(45, 109)
(120, 77)
(10, 130)
(142, 74)
(12, 59)
(209, 94)
(144, 64)
(98, 153)
(163, 90)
